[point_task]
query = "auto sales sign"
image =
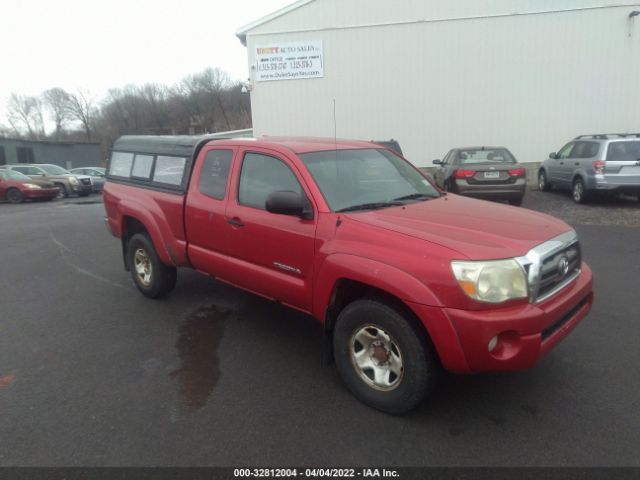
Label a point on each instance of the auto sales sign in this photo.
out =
(289, 61)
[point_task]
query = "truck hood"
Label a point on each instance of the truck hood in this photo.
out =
(476, 229)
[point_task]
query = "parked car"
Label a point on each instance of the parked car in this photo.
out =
(66, 182)
(96, 174)
(591, 164)
(491, 173)
(16, 187)
(404, 278)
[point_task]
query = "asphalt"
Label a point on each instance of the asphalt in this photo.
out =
(94, 374)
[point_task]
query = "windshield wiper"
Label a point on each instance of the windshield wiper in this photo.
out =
(415, 196)
(370, 206)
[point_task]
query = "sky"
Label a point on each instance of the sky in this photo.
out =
(97, 45)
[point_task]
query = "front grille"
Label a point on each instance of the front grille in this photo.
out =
(86, 181)
(553, 271)
(552, 265)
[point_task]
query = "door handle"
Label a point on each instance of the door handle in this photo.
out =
(577, 163)
(235, 222)
(561, 163)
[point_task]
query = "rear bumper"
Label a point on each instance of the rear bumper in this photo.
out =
(614, 183)
(501, 192)
(524, 332)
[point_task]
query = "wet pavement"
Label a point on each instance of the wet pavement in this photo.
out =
(92, 373)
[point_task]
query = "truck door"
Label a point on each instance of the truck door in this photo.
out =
(271, 254)
(205, 222)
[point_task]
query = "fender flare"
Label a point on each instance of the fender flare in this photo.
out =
(127, 208)
(340, 266)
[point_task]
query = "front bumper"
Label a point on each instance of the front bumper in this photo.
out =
(524, 332)
(81, 188)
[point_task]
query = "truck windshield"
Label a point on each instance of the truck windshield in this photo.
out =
(363, 179)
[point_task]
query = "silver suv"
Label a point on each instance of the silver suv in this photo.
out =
(606, 163)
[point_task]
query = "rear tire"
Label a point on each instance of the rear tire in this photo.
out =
(14, 196)
(383, 359)
(543, 183)
(579, 192)
(152, 277)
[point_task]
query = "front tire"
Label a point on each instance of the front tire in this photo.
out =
(383, 359)
(579, 192)
(152, 277)
(62, 190)
(14, 196)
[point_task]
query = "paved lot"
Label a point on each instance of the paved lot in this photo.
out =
(92, 373)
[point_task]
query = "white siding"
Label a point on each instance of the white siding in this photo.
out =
(529, 82)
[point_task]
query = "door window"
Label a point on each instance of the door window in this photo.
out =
(585, 150)
(262, 175)
(566, 151)
(215, 173)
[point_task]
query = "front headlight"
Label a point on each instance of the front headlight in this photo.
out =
(73, 181)
(493, 281)
(32, 186)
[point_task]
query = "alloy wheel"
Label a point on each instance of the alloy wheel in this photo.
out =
(142, 266)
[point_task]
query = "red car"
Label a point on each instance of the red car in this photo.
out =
(16, 187)
(406, 279)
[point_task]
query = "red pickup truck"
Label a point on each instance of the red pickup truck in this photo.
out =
(405, 278)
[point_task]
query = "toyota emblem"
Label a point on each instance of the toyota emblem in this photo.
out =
(563, 266)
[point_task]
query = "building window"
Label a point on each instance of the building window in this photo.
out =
(25, 154)
(3, 158)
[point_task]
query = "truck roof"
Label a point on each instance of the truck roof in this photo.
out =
(187, 145)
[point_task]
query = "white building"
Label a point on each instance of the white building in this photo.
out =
(438, 74)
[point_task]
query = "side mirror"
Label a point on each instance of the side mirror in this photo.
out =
(437, 162)
(553, 155)
(286, 202)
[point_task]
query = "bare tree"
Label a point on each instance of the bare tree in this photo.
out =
(213, 82)
(57, 102)
(81, 108)
(24, 113)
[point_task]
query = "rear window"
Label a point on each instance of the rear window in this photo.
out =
(169, 170)
(623, 152)
(492, 155)
(121, 163)
(142, 165)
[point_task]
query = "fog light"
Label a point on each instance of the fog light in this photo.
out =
(492, 343)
